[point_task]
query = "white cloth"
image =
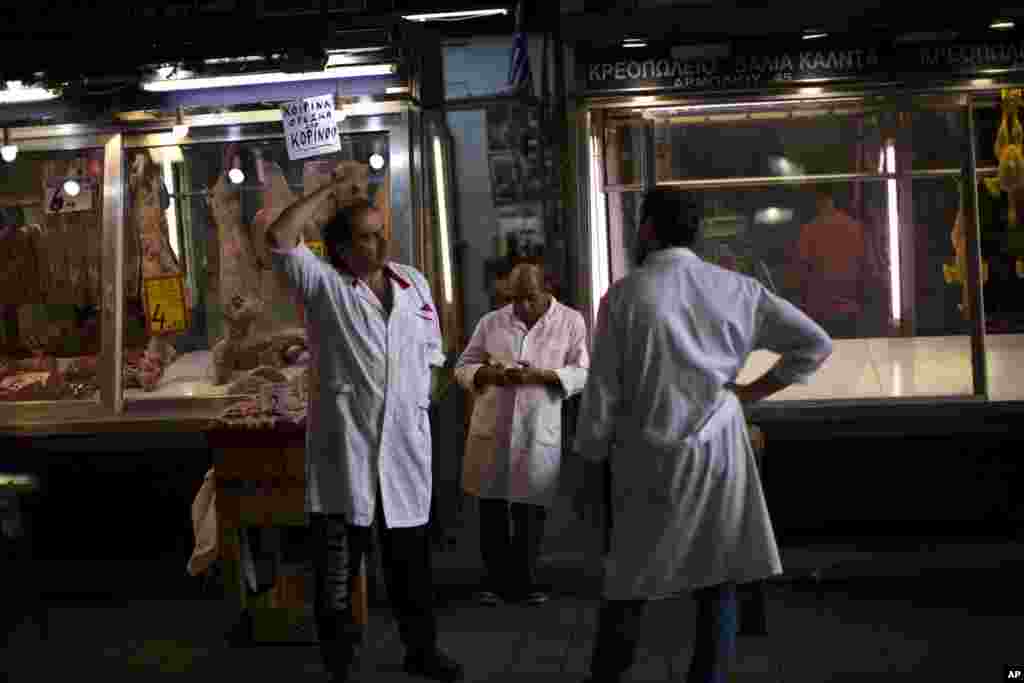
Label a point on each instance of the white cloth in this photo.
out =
(514, 447)
(204, 526)
(368, 413)
(688, 510)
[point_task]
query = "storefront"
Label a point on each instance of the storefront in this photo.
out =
(137, 285)
(847, 175)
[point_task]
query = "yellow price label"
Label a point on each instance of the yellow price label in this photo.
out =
(166, 312)
(318, 248)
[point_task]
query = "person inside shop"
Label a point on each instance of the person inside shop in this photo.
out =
(521, 363)
(832, 267)
(662, 407)
(375, 334)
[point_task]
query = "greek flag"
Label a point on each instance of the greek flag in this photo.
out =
(519, 70)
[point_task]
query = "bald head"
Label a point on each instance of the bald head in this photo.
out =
(530, 297)
(528, 275)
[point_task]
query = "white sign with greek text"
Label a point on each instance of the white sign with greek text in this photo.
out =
(309, 127)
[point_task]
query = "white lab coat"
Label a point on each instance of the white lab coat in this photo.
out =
(514, 447)
(368, 410)
(688, 509)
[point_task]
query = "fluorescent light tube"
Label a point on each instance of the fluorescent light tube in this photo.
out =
(450, 16)
(353, 71)
(442, 216)
(599, 275)
(894, 234)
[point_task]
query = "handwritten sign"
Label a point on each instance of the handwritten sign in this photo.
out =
(309, 127)
(166, 312)
(59, 201)
(317, 247)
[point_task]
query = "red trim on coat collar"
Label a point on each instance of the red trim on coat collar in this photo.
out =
(388, 273)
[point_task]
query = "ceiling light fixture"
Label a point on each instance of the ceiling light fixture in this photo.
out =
(8, 152)
(1002, 24)
(233, 60)
(814, 34)
(456, 16)
(180, 130)
(235, 175)
(352, 71)
(634, 42)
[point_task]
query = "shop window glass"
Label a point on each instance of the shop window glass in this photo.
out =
(624, 141)
(478, 68)
(1001, 227)
(51, 222)
(205, 314)
(870, 258)
(770, 144)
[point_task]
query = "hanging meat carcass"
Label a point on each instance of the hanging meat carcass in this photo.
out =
(261, 314)
(69, 249)
(280, 305)
(149, 200)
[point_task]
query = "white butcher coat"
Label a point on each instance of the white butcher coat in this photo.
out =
(514, 447)
(687, 505)
(368, 417)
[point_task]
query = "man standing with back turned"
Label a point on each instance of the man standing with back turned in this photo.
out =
(661, 403)
(374, 334)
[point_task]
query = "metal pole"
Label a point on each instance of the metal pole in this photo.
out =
(649, 168)
(975, 294)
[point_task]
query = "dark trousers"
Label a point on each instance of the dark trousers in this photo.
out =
(405, 557)
(619, 628)
(510, 554)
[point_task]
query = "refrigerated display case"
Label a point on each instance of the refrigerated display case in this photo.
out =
(144, 298)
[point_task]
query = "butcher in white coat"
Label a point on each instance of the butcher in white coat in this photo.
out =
(523, 360)
(661, 405)
(374, 332)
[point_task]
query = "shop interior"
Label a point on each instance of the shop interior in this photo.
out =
(203, 314)
(851, 207)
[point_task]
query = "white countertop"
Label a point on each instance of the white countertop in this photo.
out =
(905, 367)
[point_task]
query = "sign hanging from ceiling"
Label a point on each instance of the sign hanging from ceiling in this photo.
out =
(757, 64)
(310, 128)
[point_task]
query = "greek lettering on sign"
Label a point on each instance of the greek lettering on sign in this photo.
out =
(1005, 54)
(310, 127)
(650, 69)
(833, 60)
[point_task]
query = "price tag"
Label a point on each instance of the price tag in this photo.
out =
(59, 201)
(166, 312)
(318, 248)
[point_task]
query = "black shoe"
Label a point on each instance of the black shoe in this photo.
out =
(488, 598)
(536, 598)
(435, 665)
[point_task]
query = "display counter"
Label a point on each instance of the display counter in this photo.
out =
(886, 377)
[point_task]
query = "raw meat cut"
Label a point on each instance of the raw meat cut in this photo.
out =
(69, 253)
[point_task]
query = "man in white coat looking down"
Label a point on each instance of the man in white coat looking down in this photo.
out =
(661, 405)
(523, 360)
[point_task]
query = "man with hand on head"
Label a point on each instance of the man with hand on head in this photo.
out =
(374, 333)
(523, 360)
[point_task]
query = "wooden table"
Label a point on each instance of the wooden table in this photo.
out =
(260, 482)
